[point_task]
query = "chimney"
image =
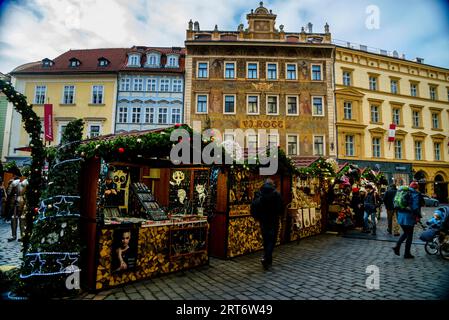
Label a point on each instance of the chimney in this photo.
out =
(419, 60)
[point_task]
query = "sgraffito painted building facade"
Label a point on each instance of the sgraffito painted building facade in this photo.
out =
(262, 77)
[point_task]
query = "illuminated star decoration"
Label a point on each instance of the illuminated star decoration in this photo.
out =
(68, 263)
(37, 264)
(63, 206)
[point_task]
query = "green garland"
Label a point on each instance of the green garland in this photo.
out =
(32, 126)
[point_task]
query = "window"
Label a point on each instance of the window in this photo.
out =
(413, 89)
(125, 84)
(94, 130)
(103, 62)
(416, 117)
(435, 120)
(138, 84)
(151, 84)
(177, 85)
(433, 93)
(39, 94)
(134, 60)
(153, 60)
(437, 150)
(252, 70)
(448, 94)
(97, 94)
(163, 113)
(292, 145)
(74, 63)
(271, 71)
(165, 85)
(292, 106)
(272, 105)
(61, 130)
(418, 150)
(349, 140)
(201, 103)
(252, 142)
(346, 78)
(316, 72)
(253, 105)
(273, 141)
(203, 70)
(396, 116)
(229, 70)
(347, 109)
(375, 114)
(228, 137)
(373, 83)
(394, 86)
(318, 145)
(135, 115)
(229, 104)
(69, 95)
(317, 103)
(176, 115)
(122, 115)
(398, 149)
(149, 115)
(291, 71)
(376, 147)
(172, 61)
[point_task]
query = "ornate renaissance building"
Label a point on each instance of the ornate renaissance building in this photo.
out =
(263, 77)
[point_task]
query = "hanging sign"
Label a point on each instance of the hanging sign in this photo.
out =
(48, 122)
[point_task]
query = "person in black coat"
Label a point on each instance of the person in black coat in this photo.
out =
(391, 212)
(269, 207)
(357, 207)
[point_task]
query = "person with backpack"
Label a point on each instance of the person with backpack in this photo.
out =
(408, 203)
(266, 208)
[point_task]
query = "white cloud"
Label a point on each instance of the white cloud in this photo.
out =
(47, 28)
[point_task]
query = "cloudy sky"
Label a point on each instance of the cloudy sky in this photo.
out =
(31, 30)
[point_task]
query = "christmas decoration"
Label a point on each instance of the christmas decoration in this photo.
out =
(32, 126)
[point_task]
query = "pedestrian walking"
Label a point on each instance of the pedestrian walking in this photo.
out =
(407, 218)
(357, 207)
(370, 206)
(393, 226)
(266, 207)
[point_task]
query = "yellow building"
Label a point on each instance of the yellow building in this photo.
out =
(374, 90)
(78, 84)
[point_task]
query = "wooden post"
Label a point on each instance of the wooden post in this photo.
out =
(88, 191)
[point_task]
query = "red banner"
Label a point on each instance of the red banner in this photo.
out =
(48, 122)
(392, 132)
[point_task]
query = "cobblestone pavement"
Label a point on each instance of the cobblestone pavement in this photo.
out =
(10, 252)
(326, 267)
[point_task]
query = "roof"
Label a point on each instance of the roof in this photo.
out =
(303, 161)
(117, 57)
(113, 136)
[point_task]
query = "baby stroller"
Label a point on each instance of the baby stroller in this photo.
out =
(436, 235)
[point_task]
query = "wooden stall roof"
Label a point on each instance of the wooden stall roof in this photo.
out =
(123, 134)
(303, 161)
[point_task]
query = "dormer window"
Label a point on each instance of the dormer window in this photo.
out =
(172, 61)
(103, 62)
(47, 62)
(153, 60)
(134, 60)
(74, 62)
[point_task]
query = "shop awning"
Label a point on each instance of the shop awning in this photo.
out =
(302, 161)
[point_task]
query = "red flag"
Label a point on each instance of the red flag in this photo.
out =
(48, 122)
(392, 132)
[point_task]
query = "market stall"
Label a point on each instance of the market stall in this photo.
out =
(308, 207)
(144, 216)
